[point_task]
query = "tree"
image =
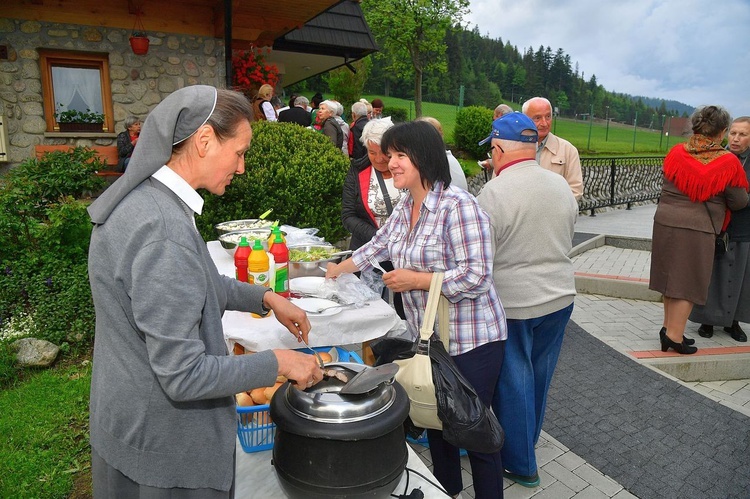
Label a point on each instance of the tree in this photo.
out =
(412, 33)
(347, 85)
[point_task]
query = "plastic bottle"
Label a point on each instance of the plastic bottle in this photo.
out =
(272, 238)
(241, 255)
(258, 265)
(280, 254)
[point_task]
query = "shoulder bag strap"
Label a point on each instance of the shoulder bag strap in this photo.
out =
(433, 297)
(444, 321)
(386, 196)
(713, 226)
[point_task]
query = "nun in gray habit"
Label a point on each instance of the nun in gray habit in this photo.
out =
(162, 411)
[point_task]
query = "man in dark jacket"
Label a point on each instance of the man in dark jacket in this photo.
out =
(359, 116)
(297, 114)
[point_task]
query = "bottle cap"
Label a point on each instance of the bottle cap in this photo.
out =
(243, 241)
(278, 238)
(257, 245)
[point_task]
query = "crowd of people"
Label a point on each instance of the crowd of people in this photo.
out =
(325, 116)
(162, 413)
(508, 276)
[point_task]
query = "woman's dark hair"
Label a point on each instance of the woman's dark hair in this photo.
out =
(292, 98)
(425, 148)
(710, 120)
(232, 108)
(316, 100)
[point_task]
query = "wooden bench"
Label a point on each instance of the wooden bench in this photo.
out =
(106, 153)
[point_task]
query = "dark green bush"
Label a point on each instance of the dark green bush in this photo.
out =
(398, 114)
(44, 233)
(32, 192)
(294, 170)
(473, 124)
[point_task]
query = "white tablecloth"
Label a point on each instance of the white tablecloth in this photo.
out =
(349, 326)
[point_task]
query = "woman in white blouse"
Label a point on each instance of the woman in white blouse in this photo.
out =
(369, 195)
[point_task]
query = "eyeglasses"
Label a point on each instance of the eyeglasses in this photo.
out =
(489, 153)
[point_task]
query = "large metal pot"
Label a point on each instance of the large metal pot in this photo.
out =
(313, 268)
(329, 445)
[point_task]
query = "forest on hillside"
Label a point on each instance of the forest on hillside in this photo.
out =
(492, 71)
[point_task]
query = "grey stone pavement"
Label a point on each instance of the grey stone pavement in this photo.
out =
(615, 426)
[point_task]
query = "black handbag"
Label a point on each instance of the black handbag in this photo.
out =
(721, 243)
(467, 422)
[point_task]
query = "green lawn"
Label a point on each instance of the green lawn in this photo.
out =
(44, 424)
(618, 141)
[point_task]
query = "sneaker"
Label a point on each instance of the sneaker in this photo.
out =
(526, 481)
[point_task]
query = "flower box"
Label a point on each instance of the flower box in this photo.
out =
(81, 127)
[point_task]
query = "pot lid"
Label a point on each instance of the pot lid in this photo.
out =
(324, 403)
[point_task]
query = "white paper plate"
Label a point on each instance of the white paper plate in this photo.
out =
(308, 285)
(315, 304)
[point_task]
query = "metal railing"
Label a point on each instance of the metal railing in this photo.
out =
(616, 181)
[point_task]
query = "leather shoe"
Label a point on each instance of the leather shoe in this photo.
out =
(706, 331)
(685, 339)
(736, 332)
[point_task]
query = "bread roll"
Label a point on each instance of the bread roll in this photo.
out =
(259, 396)
(238, 349)
(326, 357)
(271, 390)
(244, 399)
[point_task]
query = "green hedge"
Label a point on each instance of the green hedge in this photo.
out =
(398, 114)
(295, 171)
(44, 233)
(473, 124)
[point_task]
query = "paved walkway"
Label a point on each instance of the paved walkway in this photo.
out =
(617, 428)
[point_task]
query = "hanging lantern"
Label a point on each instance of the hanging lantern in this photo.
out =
(138, 39)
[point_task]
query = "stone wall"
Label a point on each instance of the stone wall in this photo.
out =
(138, 82)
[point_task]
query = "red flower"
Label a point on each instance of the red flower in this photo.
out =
(249, 67)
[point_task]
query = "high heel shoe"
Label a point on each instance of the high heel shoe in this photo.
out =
(685, 339)
(681, 348)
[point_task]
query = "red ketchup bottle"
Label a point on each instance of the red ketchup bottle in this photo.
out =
(280, 254)
(241, 254)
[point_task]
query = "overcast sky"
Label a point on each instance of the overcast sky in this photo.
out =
(695, 52)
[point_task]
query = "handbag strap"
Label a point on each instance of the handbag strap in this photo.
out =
(433, 296)
(384, 189)
(444, 321)
(436, 303)
(710, 218)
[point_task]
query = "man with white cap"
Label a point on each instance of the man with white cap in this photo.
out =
(162, 411)
(532, 214)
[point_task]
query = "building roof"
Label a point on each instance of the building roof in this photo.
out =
(332, 39)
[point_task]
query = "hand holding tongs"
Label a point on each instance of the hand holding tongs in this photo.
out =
(317, 355)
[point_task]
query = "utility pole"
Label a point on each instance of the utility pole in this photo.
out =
(606, 137)
(591, 124)
(661, 132)
(669, 127)
(635, 127)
